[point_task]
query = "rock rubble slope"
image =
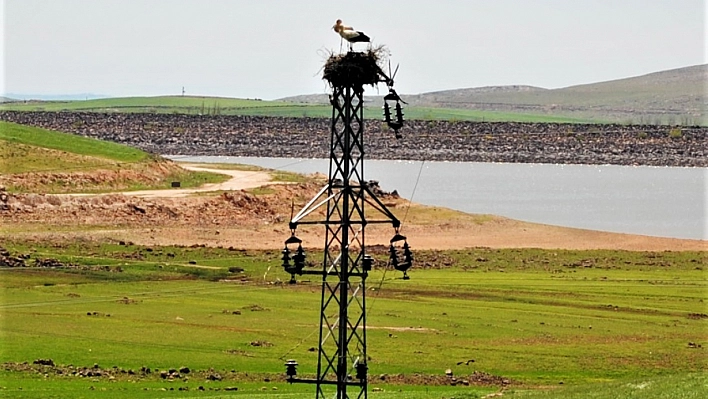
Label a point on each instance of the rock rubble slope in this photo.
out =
(257, 136)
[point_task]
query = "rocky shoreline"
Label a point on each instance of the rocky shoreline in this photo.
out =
(257, 136)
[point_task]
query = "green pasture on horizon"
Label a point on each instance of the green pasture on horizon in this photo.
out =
(235, 106)
(159, 103)
(573, 320)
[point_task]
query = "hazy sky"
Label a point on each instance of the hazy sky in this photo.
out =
(275, 48)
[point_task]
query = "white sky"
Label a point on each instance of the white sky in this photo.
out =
(275, 48)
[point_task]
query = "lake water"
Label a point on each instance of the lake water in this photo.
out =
(655, 201)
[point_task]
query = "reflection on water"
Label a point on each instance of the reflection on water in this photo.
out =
(656, 201)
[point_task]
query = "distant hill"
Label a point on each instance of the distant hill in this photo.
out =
(671, 97)
(6, 100)
(676, 96)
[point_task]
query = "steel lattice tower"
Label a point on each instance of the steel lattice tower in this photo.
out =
(347, 199)
(342, 339)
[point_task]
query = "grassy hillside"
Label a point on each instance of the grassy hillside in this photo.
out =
(590, 323)
(70, 163)
(13, 133)
(651, 90)
(674, 96)
(668, 97)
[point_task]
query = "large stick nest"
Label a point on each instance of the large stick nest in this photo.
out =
(355, 69)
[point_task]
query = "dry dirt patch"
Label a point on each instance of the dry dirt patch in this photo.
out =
(239, 219)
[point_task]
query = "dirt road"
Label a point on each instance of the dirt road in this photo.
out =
(240, 180)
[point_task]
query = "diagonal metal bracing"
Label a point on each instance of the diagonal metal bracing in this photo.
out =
(346, 197)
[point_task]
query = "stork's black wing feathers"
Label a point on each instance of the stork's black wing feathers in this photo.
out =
(360, 38)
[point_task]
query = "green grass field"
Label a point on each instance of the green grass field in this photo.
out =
(12, 133)
(234, 106)
(559, 324)
(25, 149)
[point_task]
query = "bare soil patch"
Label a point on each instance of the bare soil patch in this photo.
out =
(241, 219)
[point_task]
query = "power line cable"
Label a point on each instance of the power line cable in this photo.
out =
(415, 187)
(388, 263)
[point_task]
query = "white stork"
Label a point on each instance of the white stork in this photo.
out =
(349, 34)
